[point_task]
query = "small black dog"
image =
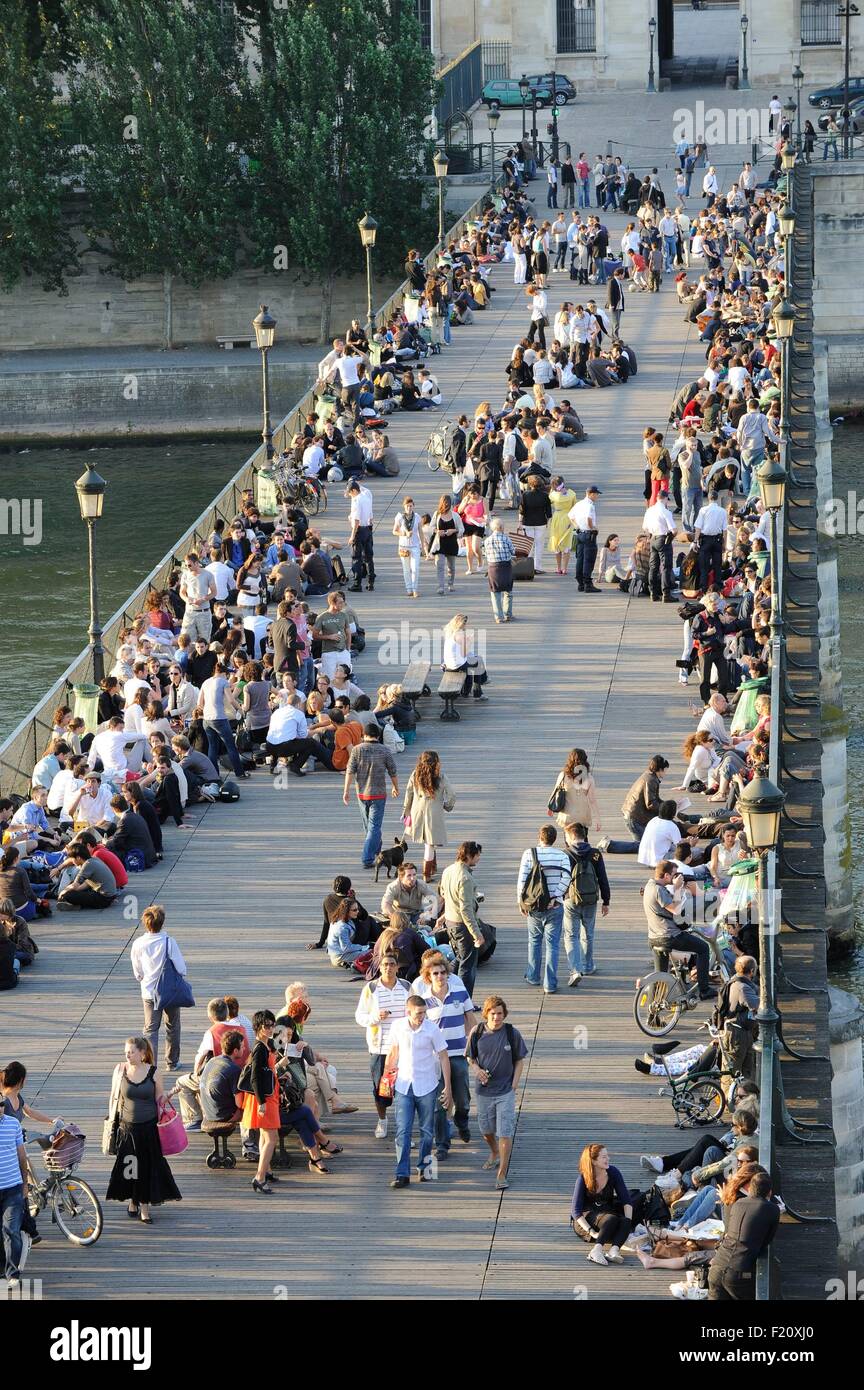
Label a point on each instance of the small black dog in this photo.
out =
(390, 858)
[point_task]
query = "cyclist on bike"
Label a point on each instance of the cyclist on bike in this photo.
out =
(663, 901)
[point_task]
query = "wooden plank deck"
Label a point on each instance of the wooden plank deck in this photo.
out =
(243, 890)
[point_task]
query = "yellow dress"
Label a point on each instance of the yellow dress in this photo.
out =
(560, 531)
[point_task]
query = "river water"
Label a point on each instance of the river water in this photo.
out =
(154, 493)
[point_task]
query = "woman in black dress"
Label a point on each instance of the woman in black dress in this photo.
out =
(445, 542)
(141, 1176)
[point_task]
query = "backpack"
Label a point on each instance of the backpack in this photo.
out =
(229, 791)
(478, 1032)
(535, 895)
(584, 888)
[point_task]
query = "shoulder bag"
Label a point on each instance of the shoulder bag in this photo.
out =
(558, 800)
(172, 989)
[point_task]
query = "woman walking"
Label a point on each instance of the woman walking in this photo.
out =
(499, 553)
(580, 806)
(535, 510)
(141, 1176)
(561, 499)
(475, 514)
(408, 532)
(445, 542)
(261, 1097)
(428, 798)
(520, 260)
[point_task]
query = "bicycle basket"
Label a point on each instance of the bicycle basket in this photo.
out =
(67, 1149)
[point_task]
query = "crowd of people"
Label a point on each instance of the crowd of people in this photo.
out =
(250, 658)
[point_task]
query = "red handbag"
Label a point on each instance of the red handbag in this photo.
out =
(173, 1138)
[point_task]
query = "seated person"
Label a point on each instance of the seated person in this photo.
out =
(197, 767)
(410, 896)
(346, 736)
(93, 886)
(217, 1083)
(342, 947)
(32, 817)
(131, 834)
(90, 806)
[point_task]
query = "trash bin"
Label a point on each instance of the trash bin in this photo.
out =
(87, 705)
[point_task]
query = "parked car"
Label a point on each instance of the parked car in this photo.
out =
(829, 97)
(563, 88)
(505, 92)
(856, 117)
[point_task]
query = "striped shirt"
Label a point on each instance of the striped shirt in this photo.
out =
(449, 1014)
(10, 1138)
(555, 865)
(376, 999)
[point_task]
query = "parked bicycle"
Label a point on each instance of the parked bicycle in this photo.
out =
(696, 1100)
(74, 1205)
(667, 993)
(294, 489)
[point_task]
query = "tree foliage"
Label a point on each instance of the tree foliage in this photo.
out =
(34, 237)
(158, 93)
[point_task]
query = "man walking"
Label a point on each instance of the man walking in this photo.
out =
(668, 229)
(552, 177)
(370, 764)
(710, 528)
(589, 885)
(461, 901)
(496, 1053)
(360, 539)
(659, 523)
(583, 518)
(544, 877)
(418, 1054)
(148, 956)
(615, 301)
(197, 588)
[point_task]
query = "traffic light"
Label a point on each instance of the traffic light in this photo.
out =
(550, 128)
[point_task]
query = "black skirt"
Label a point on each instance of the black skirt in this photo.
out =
(141, 1173)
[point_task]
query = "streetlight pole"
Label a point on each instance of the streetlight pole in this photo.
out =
(784, 322)
(265, 332)
(534, 122)
(493, 117)
(652, 30)
(847, 12)
(442, 164)
(368, 229)
(91, 495)
(744, 78)
(523, 92)
(772, 479)
(798, 79)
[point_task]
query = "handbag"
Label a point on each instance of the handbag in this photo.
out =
(173, 1138)
(172, 989)
(110, 1126)
(243, 739)
(558, 800)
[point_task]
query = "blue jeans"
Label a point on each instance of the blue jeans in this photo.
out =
(219, 733)
(11, 1214)
(461, 1102)
(832, 143)
(691, 501)
(627, 846)
(579, 937)
(544, 926)
(670, 246)
(750, 459)
(306, 675)
(584, 194)
(372, 813)
(406, 1108)
(699, 1209)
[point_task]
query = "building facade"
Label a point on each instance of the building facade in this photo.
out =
(604, 44)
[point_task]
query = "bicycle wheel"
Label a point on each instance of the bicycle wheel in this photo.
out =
(657, 1004)
(309, 499)
(77, 1212)
(703, 1102)
(433, 460)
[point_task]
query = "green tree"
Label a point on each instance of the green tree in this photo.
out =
(35, 239)
(158, 95)
(337, 129)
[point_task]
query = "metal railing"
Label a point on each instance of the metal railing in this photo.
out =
(576, 26)
(496, 62)
(462, 83)
(820, 22)
(25, 745)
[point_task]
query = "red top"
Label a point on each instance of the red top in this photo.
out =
(108, 857)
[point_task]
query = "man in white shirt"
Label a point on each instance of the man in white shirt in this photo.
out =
(660, 836)
(668, 229)
(418, 1052)
(197, 588)
(148, 955)
(219, 706)
(90, 805)
(110, 748)
(659, 522)
(313, 459)
(257, 625)
(683, 223)
(429, 388)
(583, 518)
(710, 529)
(223, 576)
(347, 368)
(287, 738)
(712, 722)
(775, 111)
(710, 186)
(360, 537)
(135, 683)
(381, 1004)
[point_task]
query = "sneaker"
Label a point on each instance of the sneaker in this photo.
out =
(574, 980)
(13, 1282)
(535, 984)
(592, 971)
(596, 1256)
(381, 1129)
(192, 1127)
(652, 1162)
(400, 1182)
(614, 1256)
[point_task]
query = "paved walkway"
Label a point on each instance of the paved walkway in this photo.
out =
(243, 890)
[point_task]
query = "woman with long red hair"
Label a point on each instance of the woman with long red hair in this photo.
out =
(602, 1209)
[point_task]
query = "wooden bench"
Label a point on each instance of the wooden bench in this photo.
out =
(234, 340)
(450, 688)
(414, 683)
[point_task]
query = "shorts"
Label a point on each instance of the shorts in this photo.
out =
(497, 1114)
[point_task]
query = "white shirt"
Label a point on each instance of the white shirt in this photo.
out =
(738, 376)
(361, 507)
(196, 589)
(658, 838)
(712, 723)
(131, 688)
(668, 226)
(64, 779)
(659, 521)
(429, 387)
(538, 306)
(709, 183)
(583, 515)
(286, 723)
(223, 578)
(581, 326)
(148, 957)
(712, 520)
(313, 460)
(418, 1068)
(93, 810)
(110, 747)
(347, 370)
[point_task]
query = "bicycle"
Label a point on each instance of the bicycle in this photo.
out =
(695, 1100)
(296, 490)
(435, 446)
(75, 1208)
(667, 993)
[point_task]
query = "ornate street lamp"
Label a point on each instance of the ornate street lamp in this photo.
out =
(652, 30)
(442, 164)
(265, 332)
(91, 496)
(798, 79)
(744, 79)
(493, 117)
(368, 229)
